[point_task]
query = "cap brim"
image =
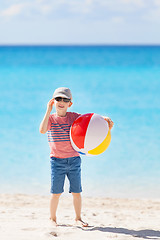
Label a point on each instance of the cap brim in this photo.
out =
(60, 95)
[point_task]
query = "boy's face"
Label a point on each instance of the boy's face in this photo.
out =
(61, 106)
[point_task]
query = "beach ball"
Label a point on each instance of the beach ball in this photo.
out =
(90, 134)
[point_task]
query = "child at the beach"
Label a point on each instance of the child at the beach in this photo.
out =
(64, 159)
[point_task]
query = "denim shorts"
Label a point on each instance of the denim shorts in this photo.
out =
(70, 167)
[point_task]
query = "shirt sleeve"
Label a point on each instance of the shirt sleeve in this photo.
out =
(49, 122)
(77, 115)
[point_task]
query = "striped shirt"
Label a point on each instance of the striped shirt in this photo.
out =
(59, 135)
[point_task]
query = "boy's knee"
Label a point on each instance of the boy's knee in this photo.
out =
(55, 195)
(76, 195)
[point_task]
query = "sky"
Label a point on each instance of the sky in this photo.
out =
(79, 22)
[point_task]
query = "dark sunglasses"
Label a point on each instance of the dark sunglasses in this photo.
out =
(59, 99)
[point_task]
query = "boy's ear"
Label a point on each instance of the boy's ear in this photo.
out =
(70, 104)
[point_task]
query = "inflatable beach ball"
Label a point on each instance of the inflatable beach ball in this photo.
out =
(90, 134)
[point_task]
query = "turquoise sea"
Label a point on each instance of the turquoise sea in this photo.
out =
(122, 82)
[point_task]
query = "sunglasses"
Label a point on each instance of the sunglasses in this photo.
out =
(59, 99)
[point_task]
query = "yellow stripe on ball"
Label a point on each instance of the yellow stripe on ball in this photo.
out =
(103, 146)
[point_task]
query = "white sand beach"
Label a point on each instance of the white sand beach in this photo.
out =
(26, 217)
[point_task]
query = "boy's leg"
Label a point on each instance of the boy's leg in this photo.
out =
(57, 184)
(77, 202)
(53, 206)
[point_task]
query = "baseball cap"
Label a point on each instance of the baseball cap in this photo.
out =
(62, 92)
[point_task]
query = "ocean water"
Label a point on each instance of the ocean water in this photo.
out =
(122, 82)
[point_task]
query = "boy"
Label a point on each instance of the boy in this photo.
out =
(64, 159)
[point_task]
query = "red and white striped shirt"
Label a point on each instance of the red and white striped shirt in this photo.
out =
(59, 135)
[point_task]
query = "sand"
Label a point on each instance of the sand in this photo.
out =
(26, 217)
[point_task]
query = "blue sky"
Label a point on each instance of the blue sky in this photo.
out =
(80, 22)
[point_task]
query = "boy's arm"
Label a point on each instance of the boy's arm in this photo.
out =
(44, 124)
(110, 122)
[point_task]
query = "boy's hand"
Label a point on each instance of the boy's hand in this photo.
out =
(110, 122)
(50, 105)
(44, 124)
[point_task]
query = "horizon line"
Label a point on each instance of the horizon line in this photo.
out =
(77, 44)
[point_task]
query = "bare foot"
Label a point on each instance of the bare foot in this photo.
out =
(53, 223)
(81, 223)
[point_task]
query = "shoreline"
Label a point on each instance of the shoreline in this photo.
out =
(24, 217)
